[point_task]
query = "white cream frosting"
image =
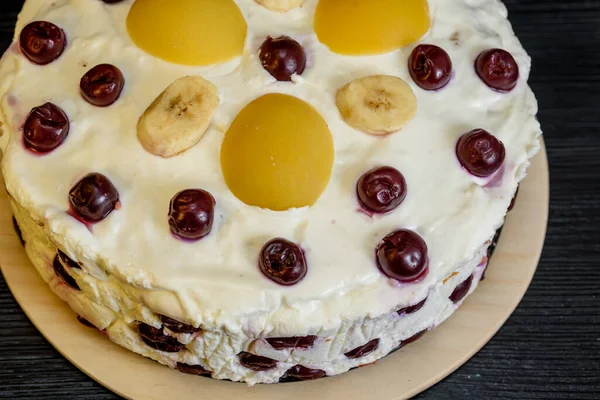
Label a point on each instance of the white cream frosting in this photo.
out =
(135, 267)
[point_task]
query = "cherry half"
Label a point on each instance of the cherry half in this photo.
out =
(413, 338)
(381, 190)
(363, 350)
(256, 363)
(42, 42)
(46, 128)
(480, 153)
(60, 270)
(192, 369)
(498, 69)
(94, 197)
(178, 327)
(191, 214)
(402, 255)
(102, 85)
(282, 57)
(294, 342)
(282, 262)
(158, 340)
(304, 374)
(67, 260)
(18, 231)
(412, 309)
(461, 290)
(430, 67)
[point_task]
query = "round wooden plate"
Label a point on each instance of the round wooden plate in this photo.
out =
(399, 376)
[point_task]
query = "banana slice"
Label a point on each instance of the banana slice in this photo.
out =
(280, 5)
(179, 117)
(378, 104)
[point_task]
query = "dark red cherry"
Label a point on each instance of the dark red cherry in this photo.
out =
(413, 338)
(102, 85)
(282, 262)
(430, 66)
(18, 231)
(480, 153)
(294, 342)
(85, 322)
(158, 340)
(363, 350)
(498, 69)
(193, 369)
(42, 42)
(67, 260)
(191, 214)
(282, 57)
(512, 202)
(112, 1)
(178, 327)
(304, 374)
(461, 290)
(256, 363)
(412, 309)
(402, 255)
(46, 128)
(60, 270)
(94, 197)
(381, 190)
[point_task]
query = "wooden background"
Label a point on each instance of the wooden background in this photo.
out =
(550, 347)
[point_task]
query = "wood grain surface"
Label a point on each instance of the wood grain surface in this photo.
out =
(550, 347)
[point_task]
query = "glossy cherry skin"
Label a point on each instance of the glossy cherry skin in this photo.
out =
(46, 128)
(480, 153)
(18, 231)
(412, 309)
(193, 369)
(430, 67)
(256, 363)
(42, 42)
(363, 350)
(413, 338)
(461, 290)
(94, 197)
(156, 338)
(178, 327)
(304, 374)
(102, 85)
(498, 69)
(282, 262)
(381, 190)
(60, 270)
(67, 260)
(294, 342)
(282, 57)
(402, 255)
(191, 214)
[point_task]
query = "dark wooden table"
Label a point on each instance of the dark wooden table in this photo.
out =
(550, 347)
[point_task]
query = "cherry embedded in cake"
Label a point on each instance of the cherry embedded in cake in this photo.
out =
(178, 327)
(42, 42)
(158, 340)
(255, 362)
(282, 57)
(191, 214)
(498, 69)
(480, 153)
(412, 309)
(46, 128)
(304, 373)
(402, 255)
(61, 272)
(461, 290)
(381, 190)
(430, 67)
(94, 197)
(363, 350)
(192, 369)
(282, 262)
(102, 85)
(295, 342)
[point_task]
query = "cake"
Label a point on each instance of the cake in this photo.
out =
(264, 190)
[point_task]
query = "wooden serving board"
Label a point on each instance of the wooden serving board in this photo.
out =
(398, 376)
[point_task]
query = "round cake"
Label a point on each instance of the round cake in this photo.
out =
(264, 190)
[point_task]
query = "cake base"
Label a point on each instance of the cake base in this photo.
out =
(398, 376)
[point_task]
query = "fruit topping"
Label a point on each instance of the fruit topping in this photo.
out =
(282, 262)
(278, 153)
(85, 322)
(256, 363)
(294, 342)
(512, 202)
(18, 231)
(42, 42)
(381, 190)
(363, 350)
(193, 369)
(430, 67)
(190, 32)
(498, 69)
(67, 260)
(179, 117)
(191, 214)
(378, 104)
(304, 374)
(461, 290)
(94, 197)
(402, 255)
(176, 326)
(102, 85)
(158, 340)
(370, 27)
(480, 153)
(62, 273)
(413, 338)
(282, 57)
(280, 5)
(412, 309)
(46, 128)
